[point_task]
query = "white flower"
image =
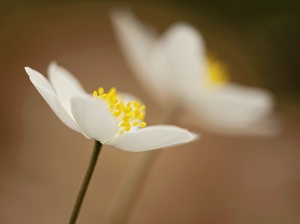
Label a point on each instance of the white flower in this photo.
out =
(175, 66)
(106, 117)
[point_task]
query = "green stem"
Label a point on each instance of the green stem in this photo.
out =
(85, 183)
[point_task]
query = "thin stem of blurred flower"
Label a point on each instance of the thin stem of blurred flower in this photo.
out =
(136, 178)
(85, 183)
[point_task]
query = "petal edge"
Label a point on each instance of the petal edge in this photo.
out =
(152, 137)
(48, 93)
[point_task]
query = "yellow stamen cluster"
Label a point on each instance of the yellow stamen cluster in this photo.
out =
(217, 73)
(127, 114)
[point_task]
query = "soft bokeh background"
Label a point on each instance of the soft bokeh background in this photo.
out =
(215, 180)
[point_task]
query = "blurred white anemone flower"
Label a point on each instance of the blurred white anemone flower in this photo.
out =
(110, 118)
(175, 66)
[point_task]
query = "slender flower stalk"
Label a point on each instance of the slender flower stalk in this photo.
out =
(136, 178)
(85, 183)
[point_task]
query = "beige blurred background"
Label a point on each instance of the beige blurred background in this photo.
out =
(217, 179)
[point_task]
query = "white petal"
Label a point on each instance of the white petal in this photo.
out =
(186, 57)
(138, 45)
(45, 89)
(134, 37)
(265, 127)
(64, 83)
(152, 137)
(93, 117)
(235, 103)
(234, 109)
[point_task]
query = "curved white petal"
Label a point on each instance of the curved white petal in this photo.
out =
(264, 127)
(234, 109)
(64, 83)
(134, 37)
(93, 117)
(46, 90)
(138, 46)
(152, 137)
(235, 103)
(186, 57)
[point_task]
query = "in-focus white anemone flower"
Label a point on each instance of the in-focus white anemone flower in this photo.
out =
(110, 118)
(176, 67)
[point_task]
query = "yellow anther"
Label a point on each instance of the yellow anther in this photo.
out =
(117, 113)
(128, 109)
(112, 90)
(127, 127)
(140, 116)
(100, 91)
(118, 106)
(136, 104)
(104, 96)
(126, 119)
(135, 123)
(143, 124)
(110, 97)
(129, 114)
(95, 93)
(143, 107)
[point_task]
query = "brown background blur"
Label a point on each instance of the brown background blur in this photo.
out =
(214, 180)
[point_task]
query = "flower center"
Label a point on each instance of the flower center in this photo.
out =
(217, 73)
(128, 114)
